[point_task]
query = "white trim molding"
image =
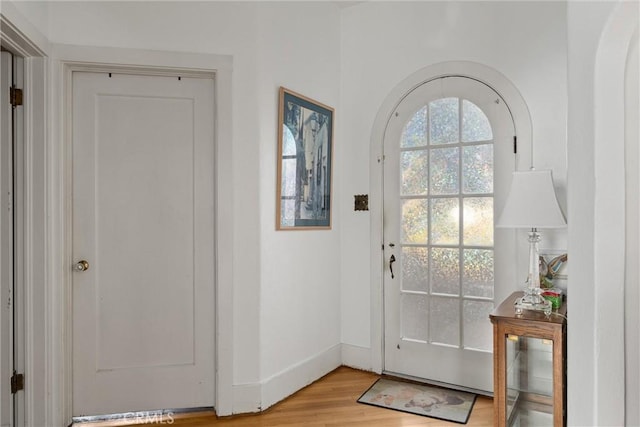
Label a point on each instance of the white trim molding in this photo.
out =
(35, 237)
(19, 35)
(65, 60)
(522, 122)
(356, 357)
(257, 397)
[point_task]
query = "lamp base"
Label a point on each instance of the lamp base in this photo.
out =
(534, 302)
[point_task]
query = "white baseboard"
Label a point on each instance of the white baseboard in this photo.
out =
(290, 380)
(246, 398)
(356, 357)
(256, 397)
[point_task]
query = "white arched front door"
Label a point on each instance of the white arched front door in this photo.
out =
(448, 159)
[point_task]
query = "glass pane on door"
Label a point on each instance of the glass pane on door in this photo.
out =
(446, 185)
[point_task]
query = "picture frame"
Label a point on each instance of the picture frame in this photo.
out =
(305, 162)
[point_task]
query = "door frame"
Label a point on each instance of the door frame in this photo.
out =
(522, 121)
(68, 59)
(23, 40)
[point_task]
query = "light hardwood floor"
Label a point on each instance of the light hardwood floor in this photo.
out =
(331, 402)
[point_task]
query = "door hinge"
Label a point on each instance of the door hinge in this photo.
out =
(17, 382)
(15, 96)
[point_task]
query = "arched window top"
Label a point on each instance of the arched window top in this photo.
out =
(415, 131)
(439, 122)
(475, 124)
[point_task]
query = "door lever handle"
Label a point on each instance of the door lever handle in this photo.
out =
(391, 261)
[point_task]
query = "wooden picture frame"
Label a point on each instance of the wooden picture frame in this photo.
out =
(305, 157)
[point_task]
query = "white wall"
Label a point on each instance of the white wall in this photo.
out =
(298, 47)
(598, 38)
(37, 13)
(30, 20)
(584, 28)
(382, 44)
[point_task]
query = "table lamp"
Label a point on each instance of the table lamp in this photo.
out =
(532, 204)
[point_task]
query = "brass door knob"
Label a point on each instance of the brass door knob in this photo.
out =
(81, 266)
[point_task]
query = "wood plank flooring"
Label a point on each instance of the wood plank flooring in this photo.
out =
(329, 402)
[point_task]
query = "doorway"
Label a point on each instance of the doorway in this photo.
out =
(449, 154)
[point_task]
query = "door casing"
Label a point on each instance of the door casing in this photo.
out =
(31, 237)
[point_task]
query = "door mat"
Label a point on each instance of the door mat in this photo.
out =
(429, 401)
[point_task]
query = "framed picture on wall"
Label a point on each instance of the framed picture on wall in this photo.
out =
(305, 148)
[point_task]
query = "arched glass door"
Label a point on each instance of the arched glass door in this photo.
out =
(448, 162)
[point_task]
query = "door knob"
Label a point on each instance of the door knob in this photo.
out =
(81, 266)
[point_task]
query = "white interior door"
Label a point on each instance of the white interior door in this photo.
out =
(143, 191)
(448, 164)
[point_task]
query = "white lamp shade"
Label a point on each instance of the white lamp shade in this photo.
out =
(532, 202)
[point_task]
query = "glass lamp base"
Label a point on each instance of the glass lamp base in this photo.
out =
(533, 302)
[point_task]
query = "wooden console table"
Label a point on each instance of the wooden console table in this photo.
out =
(529, 366)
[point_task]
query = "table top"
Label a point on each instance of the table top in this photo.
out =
(506, 310)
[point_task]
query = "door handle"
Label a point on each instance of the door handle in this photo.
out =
(391, 261)
(81, 266)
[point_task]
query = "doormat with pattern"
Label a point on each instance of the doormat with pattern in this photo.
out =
(419, 399)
